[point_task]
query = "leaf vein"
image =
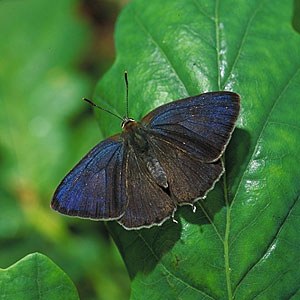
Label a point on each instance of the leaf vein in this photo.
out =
(249, 224)
(202, 12)
(278, 279)
(243, 39)
(169, 272)
(162, 51)
(217, 36)
(198, 203)
(261, 133)
(285, 124)
(269, 246)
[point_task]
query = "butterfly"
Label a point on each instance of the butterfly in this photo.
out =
(170, 158)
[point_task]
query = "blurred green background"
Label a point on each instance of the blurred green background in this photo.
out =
(50, 57)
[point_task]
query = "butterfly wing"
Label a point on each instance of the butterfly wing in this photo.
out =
(95, 187)
(148, 204)
(200, 125)
(188, 137)
(188, 178)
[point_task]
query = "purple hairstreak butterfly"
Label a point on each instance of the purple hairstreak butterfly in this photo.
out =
(139, 177)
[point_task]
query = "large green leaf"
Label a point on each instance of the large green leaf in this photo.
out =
(35, 277)
(243, 240)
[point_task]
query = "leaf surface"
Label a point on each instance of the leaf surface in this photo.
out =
(243, 240)
(35, 277)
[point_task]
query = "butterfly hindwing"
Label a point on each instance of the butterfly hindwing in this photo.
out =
(95, 187)
(188, 178)
(199, 125)
(148, 203)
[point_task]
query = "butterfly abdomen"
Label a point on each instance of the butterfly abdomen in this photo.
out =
(156, 171)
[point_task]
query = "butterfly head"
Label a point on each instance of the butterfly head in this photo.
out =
(128, 123)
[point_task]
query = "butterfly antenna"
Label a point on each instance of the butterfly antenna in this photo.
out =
(94, 104)
(126, 83)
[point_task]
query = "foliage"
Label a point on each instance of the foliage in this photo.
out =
(242, 241)
(45, 128)
(36, 277)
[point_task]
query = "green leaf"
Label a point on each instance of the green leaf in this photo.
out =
(36, 277)
(243, 241)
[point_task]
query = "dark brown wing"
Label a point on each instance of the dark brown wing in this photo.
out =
(188, 178)
(148, 203)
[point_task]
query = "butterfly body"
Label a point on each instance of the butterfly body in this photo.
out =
(137, 139)
(140, 176)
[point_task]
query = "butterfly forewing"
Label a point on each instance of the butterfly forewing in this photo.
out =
(199, 125)
(95, 187)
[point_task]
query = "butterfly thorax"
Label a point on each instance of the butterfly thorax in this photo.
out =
(135, 135)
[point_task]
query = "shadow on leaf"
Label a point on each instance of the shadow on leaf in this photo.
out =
(143, 249)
